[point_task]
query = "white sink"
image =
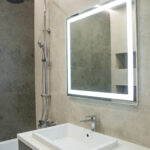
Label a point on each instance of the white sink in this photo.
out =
(72, 137)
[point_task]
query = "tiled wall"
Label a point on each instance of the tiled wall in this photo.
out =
(130, 123)
(17, 95)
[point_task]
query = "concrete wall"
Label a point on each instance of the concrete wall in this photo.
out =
(17, 95)
(130, 123)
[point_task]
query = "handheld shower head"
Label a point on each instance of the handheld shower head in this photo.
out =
(15, 1)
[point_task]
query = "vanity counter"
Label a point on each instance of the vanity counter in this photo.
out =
(33, 144)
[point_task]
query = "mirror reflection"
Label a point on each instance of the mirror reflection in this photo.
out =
(100, 51)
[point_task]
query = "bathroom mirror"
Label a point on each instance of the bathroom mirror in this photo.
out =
(102, 52)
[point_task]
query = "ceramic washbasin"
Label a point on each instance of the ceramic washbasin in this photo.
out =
(71, 137)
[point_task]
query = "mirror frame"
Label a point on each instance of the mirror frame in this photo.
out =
(90, 12)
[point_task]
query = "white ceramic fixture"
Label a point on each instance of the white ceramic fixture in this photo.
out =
(71, 137)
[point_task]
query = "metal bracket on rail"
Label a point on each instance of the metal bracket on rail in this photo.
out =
(41, 44)
(46, 95)
(44, 60)
(48, 31)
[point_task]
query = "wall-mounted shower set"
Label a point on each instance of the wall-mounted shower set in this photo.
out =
(44, 122)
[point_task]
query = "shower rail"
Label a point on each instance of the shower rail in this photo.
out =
(45, 96)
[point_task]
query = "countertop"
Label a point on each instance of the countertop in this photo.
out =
(27, 139)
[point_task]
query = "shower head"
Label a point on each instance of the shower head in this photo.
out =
(15, 1)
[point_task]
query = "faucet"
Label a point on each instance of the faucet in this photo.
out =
(91, 119)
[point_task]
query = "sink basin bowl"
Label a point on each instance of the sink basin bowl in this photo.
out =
(72, 137)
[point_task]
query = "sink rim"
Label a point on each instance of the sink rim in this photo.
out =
(49, 142)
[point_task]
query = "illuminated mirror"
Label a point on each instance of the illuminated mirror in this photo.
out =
(102, 52)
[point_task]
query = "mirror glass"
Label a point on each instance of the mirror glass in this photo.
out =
(101, 51)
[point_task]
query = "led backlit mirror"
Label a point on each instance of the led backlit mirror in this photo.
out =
(102, 53)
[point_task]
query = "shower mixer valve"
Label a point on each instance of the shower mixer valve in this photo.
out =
(43, 123)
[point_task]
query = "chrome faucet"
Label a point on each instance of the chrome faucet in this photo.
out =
(91, 119)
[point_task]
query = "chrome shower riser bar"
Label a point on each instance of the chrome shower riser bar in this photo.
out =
(45, 92)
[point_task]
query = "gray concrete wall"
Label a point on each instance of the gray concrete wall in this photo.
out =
(130, 123)
(17, 95)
